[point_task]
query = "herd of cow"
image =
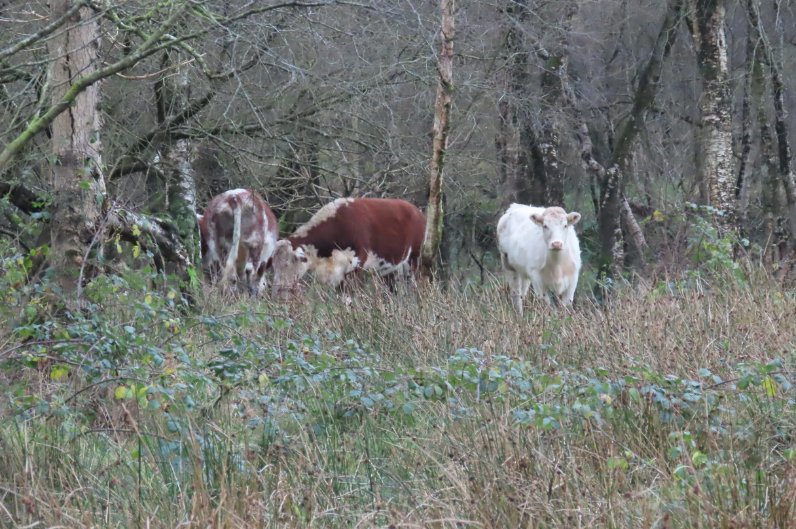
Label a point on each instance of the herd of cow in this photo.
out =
(240, 241)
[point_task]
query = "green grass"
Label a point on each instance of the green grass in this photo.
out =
(670, 407)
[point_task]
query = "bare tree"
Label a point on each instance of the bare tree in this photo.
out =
(442, 109)
(610, 175)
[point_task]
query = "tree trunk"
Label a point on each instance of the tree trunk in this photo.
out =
(610, 179)
(182, 184)
(715, 161)
(434, 213)
(742, 179)
(555, 86)
(781, 125)
(520, 179)
(77, 181)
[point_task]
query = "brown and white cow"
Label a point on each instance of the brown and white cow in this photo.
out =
(539, 248)
(238, 236)
(383, 235)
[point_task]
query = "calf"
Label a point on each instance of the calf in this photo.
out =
(238, 235)
(539, 247)
(379, 234)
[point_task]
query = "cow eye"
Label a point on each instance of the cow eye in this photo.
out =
(545, 226)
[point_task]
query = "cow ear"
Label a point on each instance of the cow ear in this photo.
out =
(573, 218)
(537, 219)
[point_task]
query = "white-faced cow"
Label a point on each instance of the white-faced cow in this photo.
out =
(378, 234)
(539, 248)
(238, 234)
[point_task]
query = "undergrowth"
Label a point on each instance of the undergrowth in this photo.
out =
(671, 407)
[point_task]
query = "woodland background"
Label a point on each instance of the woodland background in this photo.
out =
(133, 395)
(621, 110)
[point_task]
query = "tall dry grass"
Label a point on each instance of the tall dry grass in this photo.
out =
(611, 456)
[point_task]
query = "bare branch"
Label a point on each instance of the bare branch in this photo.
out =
(43, 32)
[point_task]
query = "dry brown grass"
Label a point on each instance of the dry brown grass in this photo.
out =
(443, 467)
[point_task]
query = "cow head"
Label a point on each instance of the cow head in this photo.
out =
(554, 223)
(290, 264)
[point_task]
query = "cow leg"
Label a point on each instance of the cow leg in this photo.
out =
(538, 287)
(230, 275)
(211, 260)
(569, 294)
(257, 281)
(517, 287)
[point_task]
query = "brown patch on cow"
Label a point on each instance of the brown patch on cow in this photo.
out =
(385, 234)
(558, 271)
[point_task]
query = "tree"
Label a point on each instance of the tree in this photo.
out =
(442, 109)
(706, 22)
(76, 164)
(514, 137)
(611, 203)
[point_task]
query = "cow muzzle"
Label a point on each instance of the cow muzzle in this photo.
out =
(557, 246)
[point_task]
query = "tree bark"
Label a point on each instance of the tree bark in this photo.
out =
(715, 161)
(429, 257)
(515, 141)
(76, 172)
(557, 93)
(781, 125)
(181, 183)
(741, 181)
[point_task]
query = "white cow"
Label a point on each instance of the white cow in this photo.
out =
(539, 247)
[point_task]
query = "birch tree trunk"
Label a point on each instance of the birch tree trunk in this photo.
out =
(715, 161)
(429, 257)
(76, 172)
(182, 183)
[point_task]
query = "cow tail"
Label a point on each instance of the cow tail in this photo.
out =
(230, 270)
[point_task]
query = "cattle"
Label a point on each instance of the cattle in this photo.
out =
(381, 235)
(539, 247)
(238, 235)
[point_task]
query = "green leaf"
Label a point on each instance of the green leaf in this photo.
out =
(699, 459)
(770, 385)
(618, 462)
(59, 372)
(120, 393)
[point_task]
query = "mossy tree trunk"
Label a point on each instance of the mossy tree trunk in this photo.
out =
(173, 100)
(515, 136)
